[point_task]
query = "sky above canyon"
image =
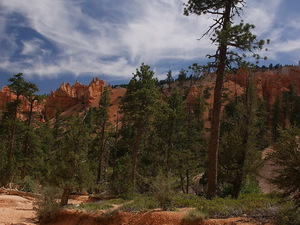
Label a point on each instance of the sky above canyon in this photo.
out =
(51, 41)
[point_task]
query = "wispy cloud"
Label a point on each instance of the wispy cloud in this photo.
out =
(114, 37)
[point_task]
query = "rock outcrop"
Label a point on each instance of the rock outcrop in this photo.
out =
(270, 85)
(6, 95)
(67, 96)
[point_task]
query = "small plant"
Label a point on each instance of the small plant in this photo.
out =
(47, 203)
(163, 191)
(194, 216)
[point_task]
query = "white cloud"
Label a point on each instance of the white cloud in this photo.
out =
(262, 14)
(31, 46)
(115, 43)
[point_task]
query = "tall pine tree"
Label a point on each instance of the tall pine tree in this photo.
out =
(227, 37)
(139, 106)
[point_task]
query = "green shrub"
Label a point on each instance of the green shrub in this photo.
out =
(288, 217)
(186, 200)
(47, 203)
(286, 157)
(163, 191)
(194, 216)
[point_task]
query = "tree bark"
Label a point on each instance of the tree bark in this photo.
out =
(100, 155)
(65, 197)
(187, 181)
(26, 142)
(237, 185)
(216, 111)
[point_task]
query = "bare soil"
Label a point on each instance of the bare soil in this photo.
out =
(18, 210)
(148, 218)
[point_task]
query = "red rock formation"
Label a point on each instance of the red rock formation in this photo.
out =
(269, 85)
(67, 96)
(7, 96)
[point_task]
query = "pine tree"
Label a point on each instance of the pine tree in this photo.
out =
(276, 119)
(139, 106)
(177, 140)
(181, 77)
(226, 36)
(30, 89)
(69, 165)
(102, 121)
(169, 80)
(14, 126)
(286, 158)
(239, 156)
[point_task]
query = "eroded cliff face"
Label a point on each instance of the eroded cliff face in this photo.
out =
(269, 84)
(7, 96)
(67, 96)
(72, 99)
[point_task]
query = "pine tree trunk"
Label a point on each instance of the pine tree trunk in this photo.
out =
(181, 181)
(100, 155)
(26, 143)
(187, 181)
(65, 197)
(237, 185)
(216, 111)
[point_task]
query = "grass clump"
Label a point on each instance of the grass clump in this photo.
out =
(95, 206)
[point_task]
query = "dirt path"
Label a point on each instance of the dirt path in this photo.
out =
(16, 210)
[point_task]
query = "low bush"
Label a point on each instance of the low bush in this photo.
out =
(194, 216)
(163, 191)
(47, 202)
(186, 200)
(289, 215)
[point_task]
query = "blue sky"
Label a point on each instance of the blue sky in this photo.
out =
(51, 41)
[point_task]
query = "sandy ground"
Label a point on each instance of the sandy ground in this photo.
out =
(16, 210)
